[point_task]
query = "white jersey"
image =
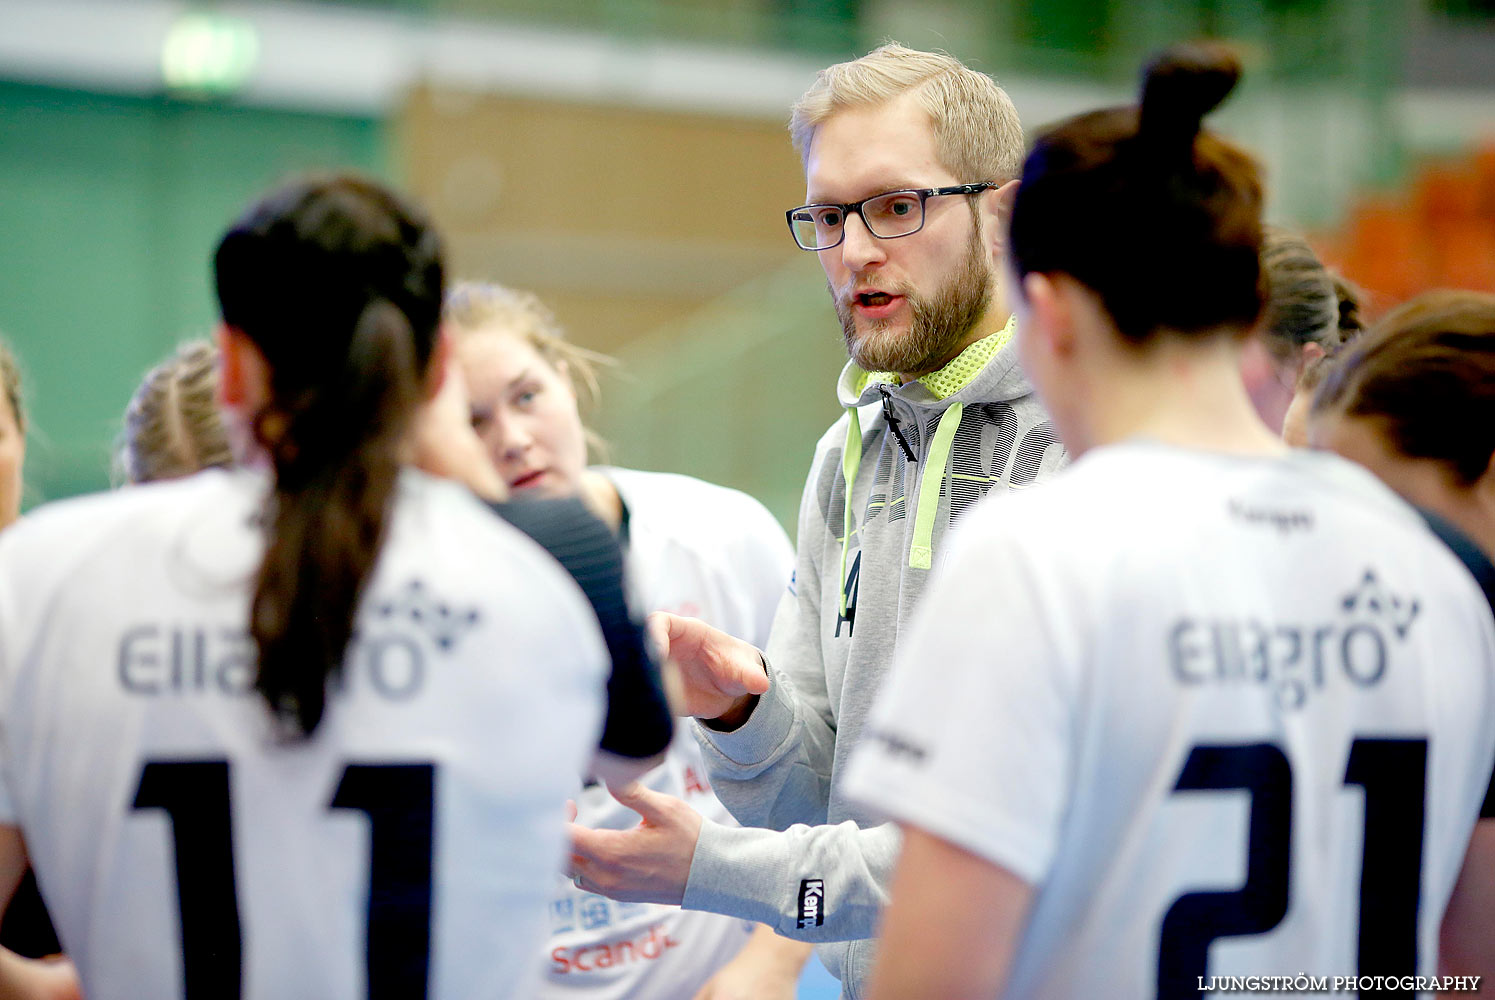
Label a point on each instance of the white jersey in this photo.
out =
(713, 553)
(1228, 716)
(704, 551)
(405, 849)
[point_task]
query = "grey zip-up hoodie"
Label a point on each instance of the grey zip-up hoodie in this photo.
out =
(805, 862)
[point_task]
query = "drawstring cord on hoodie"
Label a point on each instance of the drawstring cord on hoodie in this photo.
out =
(921, 552)
(851, 460)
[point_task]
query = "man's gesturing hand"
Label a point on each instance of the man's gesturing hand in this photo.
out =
(648, 864)
(721, 676)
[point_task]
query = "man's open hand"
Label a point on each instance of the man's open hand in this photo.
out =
(648, 864)
(720, 676)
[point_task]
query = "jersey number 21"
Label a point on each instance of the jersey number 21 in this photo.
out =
(1393, 774)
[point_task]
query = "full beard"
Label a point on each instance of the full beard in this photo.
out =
(938, 325)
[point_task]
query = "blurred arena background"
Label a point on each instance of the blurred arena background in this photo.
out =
(627, 160)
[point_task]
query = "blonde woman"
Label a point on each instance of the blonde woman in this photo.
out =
(30, 930)
(693, 548)
(172, 426)
(12, 437)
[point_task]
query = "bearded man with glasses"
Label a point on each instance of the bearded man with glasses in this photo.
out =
(909, 165)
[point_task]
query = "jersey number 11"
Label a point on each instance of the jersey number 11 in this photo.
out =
(397, 800)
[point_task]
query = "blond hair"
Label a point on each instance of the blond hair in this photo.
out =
(10, 386)
(475, 307)
(977, 134)
(172, 425)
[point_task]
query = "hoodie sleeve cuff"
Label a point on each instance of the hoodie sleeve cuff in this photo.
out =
(728, 865)
(764, 733)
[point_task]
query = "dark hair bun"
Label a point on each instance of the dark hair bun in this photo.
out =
(1350, 322)
(1179, 87)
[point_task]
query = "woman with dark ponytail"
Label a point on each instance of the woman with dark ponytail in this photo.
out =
(306, 727)
(1170, 719)
(346, 354)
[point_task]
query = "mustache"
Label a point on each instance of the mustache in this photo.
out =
(847, 297)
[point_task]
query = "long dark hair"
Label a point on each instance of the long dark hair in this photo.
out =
(1160, 219)
(338, 282)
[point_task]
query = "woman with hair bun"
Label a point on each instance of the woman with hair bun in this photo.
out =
(1309, 313)
(1204, 707)
(303, 728)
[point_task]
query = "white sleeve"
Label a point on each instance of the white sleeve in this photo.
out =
(761, 560)
(971, 738)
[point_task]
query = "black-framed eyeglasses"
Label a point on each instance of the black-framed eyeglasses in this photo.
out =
(887, 216)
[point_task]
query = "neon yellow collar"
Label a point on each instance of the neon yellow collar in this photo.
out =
(959, 371)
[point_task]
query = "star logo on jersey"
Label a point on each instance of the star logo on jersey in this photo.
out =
(444, 623)
(1372, 599)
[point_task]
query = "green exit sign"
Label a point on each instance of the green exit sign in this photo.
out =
(209, 54)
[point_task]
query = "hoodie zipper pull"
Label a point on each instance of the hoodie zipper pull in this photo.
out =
(887, 414)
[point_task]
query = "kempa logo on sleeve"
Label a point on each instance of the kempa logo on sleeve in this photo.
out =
(811, 903)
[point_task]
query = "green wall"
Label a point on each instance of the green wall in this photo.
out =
(109, 210)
